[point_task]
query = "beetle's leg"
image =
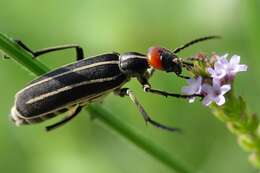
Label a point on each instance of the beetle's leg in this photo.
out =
(79, 50)
(147, 88)
(66, 119)
(188, 65)
(183, 77)
(149, 73)
(127, 92)
(166, 94)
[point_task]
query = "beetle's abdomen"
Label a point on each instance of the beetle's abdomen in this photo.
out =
(67, 86)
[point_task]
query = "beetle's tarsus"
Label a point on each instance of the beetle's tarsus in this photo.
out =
(159, 125)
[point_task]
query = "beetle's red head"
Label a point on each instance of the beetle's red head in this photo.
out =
(163, 59)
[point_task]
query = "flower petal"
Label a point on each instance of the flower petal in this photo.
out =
(211, 71)
(225, 55)
(220, 100)
(216, 84)
(199, 80)
(235, 59)
(206, 101)
(194, 86)
(223, 59)
(220, 73)
(225, 88)
(191, 100)
(242, 67)
(207, 88)
(218, 66)
(187, 90)
(190, 81)
(197, 85)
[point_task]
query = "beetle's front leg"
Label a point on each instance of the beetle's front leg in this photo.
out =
(147, 88)
(183, 77)
(127, 92)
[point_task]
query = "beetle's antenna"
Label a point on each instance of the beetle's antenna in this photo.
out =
(194, 42)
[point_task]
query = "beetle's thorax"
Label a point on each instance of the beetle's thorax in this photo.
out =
(133, 64)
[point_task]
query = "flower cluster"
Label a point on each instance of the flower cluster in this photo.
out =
(222, 74)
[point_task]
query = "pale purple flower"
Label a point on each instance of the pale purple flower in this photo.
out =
(213, 89)
(234, 67)
(218, 71)
(194, 87)
(214, 93)
(224, 69)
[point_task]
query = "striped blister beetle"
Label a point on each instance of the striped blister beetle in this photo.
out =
(70, 87)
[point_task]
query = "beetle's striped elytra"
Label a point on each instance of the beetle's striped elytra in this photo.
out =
(67, 72)
(70, 87)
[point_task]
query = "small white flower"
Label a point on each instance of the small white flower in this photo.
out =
(194, 87)
(226, 69)
(216, 73)
(214, 93)
(234, 67)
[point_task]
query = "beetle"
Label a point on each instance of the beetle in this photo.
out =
(70, 87)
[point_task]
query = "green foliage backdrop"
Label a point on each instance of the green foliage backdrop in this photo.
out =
(106, 26)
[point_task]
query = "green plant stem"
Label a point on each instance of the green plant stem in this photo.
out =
(26, 60)
(241, 123)
(21, 56)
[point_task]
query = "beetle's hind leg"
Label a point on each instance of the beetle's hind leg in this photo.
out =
(79, 50)
(73, 112)
(127, 92)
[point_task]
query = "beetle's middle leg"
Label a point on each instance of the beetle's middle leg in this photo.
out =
(71, 114)
(127, 92)
(79, 50)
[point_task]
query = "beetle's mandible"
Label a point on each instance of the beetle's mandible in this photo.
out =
(70, 87)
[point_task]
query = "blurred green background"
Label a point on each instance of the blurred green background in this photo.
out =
(105, 26)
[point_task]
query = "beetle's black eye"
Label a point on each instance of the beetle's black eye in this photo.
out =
(170, 62)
